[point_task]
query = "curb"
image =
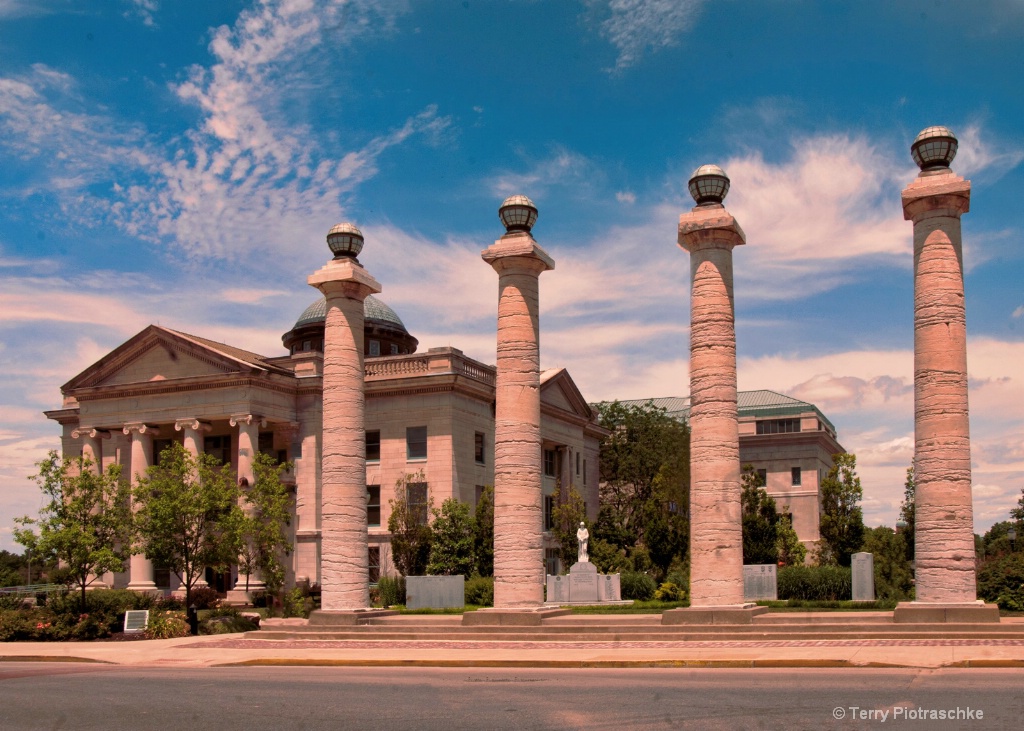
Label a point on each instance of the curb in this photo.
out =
(577, 664)
(53, 658)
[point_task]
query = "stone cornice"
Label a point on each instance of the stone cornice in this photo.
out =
(199, 383)
(63, 416)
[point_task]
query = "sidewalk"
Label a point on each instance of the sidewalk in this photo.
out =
(227, 650)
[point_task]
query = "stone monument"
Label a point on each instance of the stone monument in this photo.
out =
(862, 568)
(709, 233)
(944, 523)
(760, 582)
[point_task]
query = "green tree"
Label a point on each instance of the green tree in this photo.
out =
(907, 511)
(188, 515)
(893, 578)
(12, 569)
(262, 541)
(791, 550)
(760, 520)
(451, 551)
(483, 537)
(1017, 513)
(842, 521)
(411, 534)
(86, 525)
(569, 511)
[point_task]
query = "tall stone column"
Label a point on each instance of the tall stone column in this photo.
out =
(92, 444)
(248, 444)
(193, 430)
(518, 508)
(140, 567)
(944, 523)
(709, 233)
(344, 562)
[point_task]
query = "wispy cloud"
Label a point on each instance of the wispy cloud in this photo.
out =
(562, 167)
(636, 26)
(144, 10)
(978, 153)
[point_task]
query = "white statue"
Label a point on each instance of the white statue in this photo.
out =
(583, 536)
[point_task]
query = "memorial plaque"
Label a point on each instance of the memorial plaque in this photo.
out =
(135, 621)
(583, 582)
(608, 588)
(863, 569)
(435, 592)
(760, 582)
(558, 589)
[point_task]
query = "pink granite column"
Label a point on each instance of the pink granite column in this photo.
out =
(944, 528)
(344, 561)
(92, 445)
(709, 234)
(248, 444)
(193, 430)
(518, 511)
(140, 577)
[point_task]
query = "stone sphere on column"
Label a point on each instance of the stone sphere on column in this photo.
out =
(345, 241)
(709, 185)
(518, 213)
(934, 147)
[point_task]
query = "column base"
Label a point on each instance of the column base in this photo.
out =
(346, 617)
(946, 613)
(511, 616)
(723, 614)
(143, 587)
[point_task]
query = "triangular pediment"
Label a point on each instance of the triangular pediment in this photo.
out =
(558, 390)
(159, 354)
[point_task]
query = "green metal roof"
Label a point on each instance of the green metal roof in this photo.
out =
(373, 309)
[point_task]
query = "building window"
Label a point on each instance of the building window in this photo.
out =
(416, 442)
(551, 561)
(584, 473)
(374, 347)
(373, 446)
(549, 462)
(394, 349)
(778, 426)
(549, 510)
(478, 447)
(577, 464)
(265, 443)
(762, 475)
(796, 476)
(307, 344)
(219, 448)
(159, 445)
(373, 555)
(416, 499)
(373, 505)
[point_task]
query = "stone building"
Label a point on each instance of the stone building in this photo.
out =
(429, 415)
(789, 442)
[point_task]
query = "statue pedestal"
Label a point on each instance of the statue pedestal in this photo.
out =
(584, 585)
(583, 582)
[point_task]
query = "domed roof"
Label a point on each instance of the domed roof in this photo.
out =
(373, 309)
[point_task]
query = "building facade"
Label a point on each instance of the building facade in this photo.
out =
(789, 443)
(429, 422)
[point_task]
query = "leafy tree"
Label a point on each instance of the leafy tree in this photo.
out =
(86, 524)
(262, 541)
(791, 550)
(842, 520)
(1017, 513)
(666, 531)
(483, 536)
(411, 534)
(11, 567)
(996, 541)
(188, 515)
(760, 520)
(893, 578)
(907, 511)
(566, 516)
(451, 552)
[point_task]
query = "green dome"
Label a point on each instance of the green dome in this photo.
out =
(373, 309)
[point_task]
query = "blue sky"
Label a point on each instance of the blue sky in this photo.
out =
(180, 162)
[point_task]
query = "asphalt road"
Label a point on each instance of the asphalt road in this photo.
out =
(77, 696)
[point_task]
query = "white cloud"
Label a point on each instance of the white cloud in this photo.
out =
(625, 196)
(562, 167)
(144, 10)
(638, 25)
(1018, 312)
(979, 154)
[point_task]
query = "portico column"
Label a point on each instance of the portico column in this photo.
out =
(344, 560)
(140, 567)
(944, 525)
(709, 233)
(518, 503)
(193, 430)
(92, 445)
(248, 442)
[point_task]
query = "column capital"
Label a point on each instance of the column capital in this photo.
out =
(90, 432)
(247, 419)
(346, 278)
(517, 250)
(709, 226)
(942, 193)
(140, 428)
(193, 424)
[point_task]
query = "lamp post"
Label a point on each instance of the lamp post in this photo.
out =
(1012, 535)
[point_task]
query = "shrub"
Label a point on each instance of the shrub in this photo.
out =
(166, 624)
(170, 604)
(637, 586)
(14, 601)
(815, 583)
(205, 597)
(105, 608)
(226, 620)
(480, 591)
(392, 590)
(670, 592)
(297, 603)
(1001, 579)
